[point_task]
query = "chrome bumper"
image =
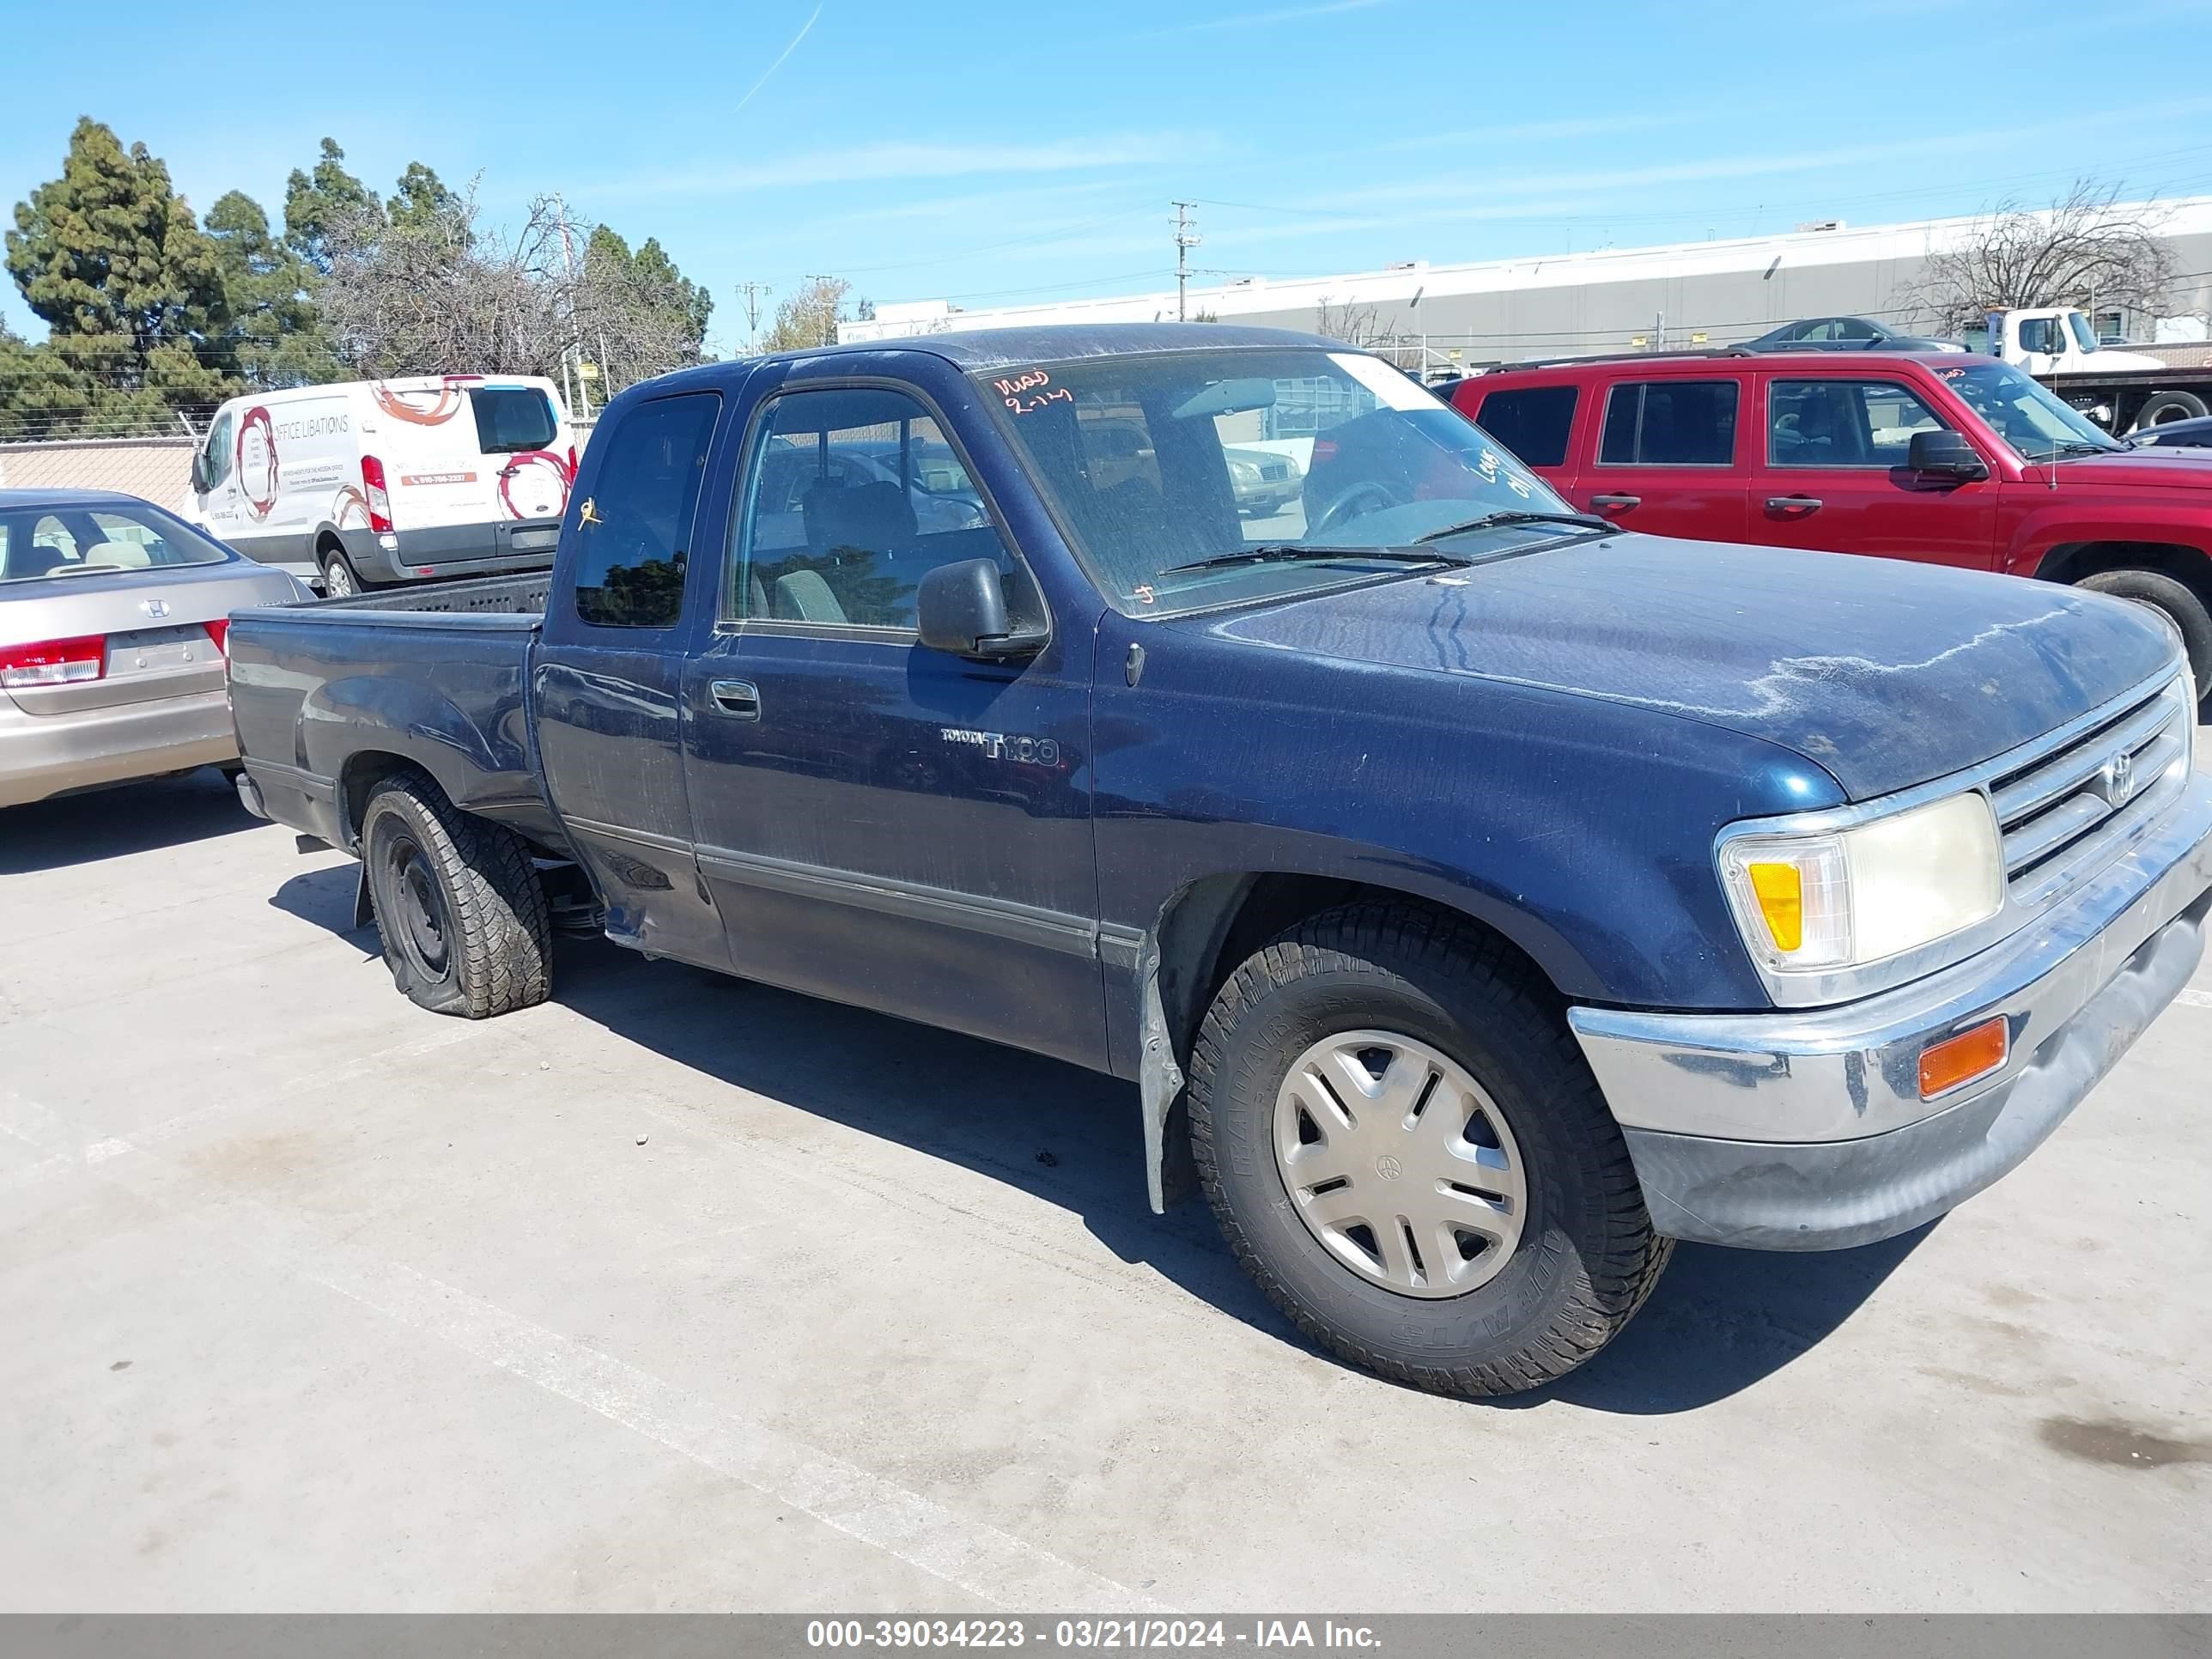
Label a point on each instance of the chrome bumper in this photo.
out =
(1806, 1130)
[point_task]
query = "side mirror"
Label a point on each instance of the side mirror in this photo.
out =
(962, 608)
(1945, 454)
(199, 472)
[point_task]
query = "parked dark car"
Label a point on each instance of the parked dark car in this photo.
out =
(2195, 433)
(1844, 334)
(1478, 896)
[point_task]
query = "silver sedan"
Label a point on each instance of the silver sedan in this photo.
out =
(114, 615)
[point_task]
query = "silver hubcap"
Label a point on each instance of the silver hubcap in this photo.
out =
(338, 581)
(1399, 1162)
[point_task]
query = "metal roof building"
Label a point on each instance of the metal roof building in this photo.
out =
(1613, 299)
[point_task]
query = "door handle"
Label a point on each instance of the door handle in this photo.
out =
(1803, 506)
(738, 697)
(1624, 503)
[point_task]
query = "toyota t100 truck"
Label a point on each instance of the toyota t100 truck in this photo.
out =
(1478, 896)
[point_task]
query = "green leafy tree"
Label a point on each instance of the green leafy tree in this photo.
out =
(109, 256)
(635, 314)
(422, 200)
(40, 396)
(320, 203)
(275, 337)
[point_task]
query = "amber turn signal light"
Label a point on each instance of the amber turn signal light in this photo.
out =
(1971, 1056)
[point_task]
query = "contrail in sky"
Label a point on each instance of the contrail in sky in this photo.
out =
(779, 56)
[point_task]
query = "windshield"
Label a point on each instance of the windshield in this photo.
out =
(59, 540)
(2078, 326)
(1165, 461)
(2038, 426)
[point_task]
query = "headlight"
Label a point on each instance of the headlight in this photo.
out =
(1245, 472)
(1847, 897)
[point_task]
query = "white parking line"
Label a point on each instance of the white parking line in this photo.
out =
(2196, 998)
(993, 1566)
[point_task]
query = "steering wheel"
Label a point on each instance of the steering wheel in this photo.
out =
(1354, 502)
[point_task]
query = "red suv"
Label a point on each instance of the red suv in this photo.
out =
(1945, 459)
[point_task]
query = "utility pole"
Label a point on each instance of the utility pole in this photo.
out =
(829, 311)
(1186, 238)
(752, 293)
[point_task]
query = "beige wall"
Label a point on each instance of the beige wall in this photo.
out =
(158, 469)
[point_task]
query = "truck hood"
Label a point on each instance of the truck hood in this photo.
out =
(1886, 674)
(2132, 468)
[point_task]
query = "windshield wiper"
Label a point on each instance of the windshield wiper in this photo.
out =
(1291, 552)
(1493, 521)
(2083, 446)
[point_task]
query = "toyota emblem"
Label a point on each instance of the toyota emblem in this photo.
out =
(2119, 780)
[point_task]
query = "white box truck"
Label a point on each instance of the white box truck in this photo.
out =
(365, 483)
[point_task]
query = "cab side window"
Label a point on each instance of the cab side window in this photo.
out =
(634, 530)
(1844, 422)
(1669, 424)
(850, 497)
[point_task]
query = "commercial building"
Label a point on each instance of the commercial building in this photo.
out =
(1688, 293)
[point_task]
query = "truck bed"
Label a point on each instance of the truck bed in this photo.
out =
(329, 692)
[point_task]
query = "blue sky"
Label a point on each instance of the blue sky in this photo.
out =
(992, 152)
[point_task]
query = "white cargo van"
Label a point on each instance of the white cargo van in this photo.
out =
(369, 482)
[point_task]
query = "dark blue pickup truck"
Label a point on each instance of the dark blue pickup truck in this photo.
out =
(1479, 897)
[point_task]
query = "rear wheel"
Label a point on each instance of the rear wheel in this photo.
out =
(339, 581)
(2174, 600)
(1406, 1152)
(457, 902)
(2163, 406)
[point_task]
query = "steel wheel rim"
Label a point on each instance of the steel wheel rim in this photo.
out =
(1400, 1163)
(421, 905)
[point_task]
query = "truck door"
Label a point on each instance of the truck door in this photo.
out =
(881, 823)
(608, 681)
(1831, 474)
(1668, 458)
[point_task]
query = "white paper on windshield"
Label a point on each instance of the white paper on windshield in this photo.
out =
(1391, 389)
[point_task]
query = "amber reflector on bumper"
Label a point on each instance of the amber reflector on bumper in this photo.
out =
(1960, 1059)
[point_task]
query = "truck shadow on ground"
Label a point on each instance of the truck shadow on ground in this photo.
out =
(1719, 1321)
(108, 824)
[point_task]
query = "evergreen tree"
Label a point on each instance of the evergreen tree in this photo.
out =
(275, 338)
(111, 258)
(316, 203)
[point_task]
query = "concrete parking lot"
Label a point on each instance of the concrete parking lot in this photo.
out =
(683, 1293)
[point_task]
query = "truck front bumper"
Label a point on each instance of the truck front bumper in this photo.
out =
(1805, 1130)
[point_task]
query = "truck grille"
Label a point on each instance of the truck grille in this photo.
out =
(2064, 813)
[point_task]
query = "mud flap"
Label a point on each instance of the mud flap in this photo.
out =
(1171, 1174)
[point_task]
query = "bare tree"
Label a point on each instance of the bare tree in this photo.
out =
(439, 293)
(1354, 325)
(810, 316)
(2086, 249)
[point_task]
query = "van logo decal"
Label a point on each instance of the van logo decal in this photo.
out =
(444, 403)
(535, 485)
(256, 461)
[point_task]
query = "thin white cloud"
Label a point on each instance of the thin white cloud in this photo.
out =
(779, 56)
(873, 163)
(1259, 20)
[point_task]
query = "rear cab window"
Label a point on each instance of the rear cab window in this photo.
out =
(634, 532)
(1669, 422)
(1533, 422)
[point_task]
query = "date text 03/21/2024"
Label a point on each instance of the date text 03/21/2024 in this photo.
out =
(1086, 1633)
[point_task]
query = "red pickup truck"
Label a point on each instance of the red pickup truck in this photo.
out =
(1943, 459)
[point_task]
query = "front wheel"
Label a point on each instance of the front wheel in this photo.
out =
(457, 902)
(1406, 1150)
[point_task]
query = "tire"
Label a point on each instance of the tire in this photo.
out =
(458, 904)
(1573, 1254)
(2175, 601)
(2163, 406)
(339, 579)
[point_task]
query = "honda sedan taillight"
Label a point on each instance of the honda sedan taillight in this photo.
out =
(53, 662)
